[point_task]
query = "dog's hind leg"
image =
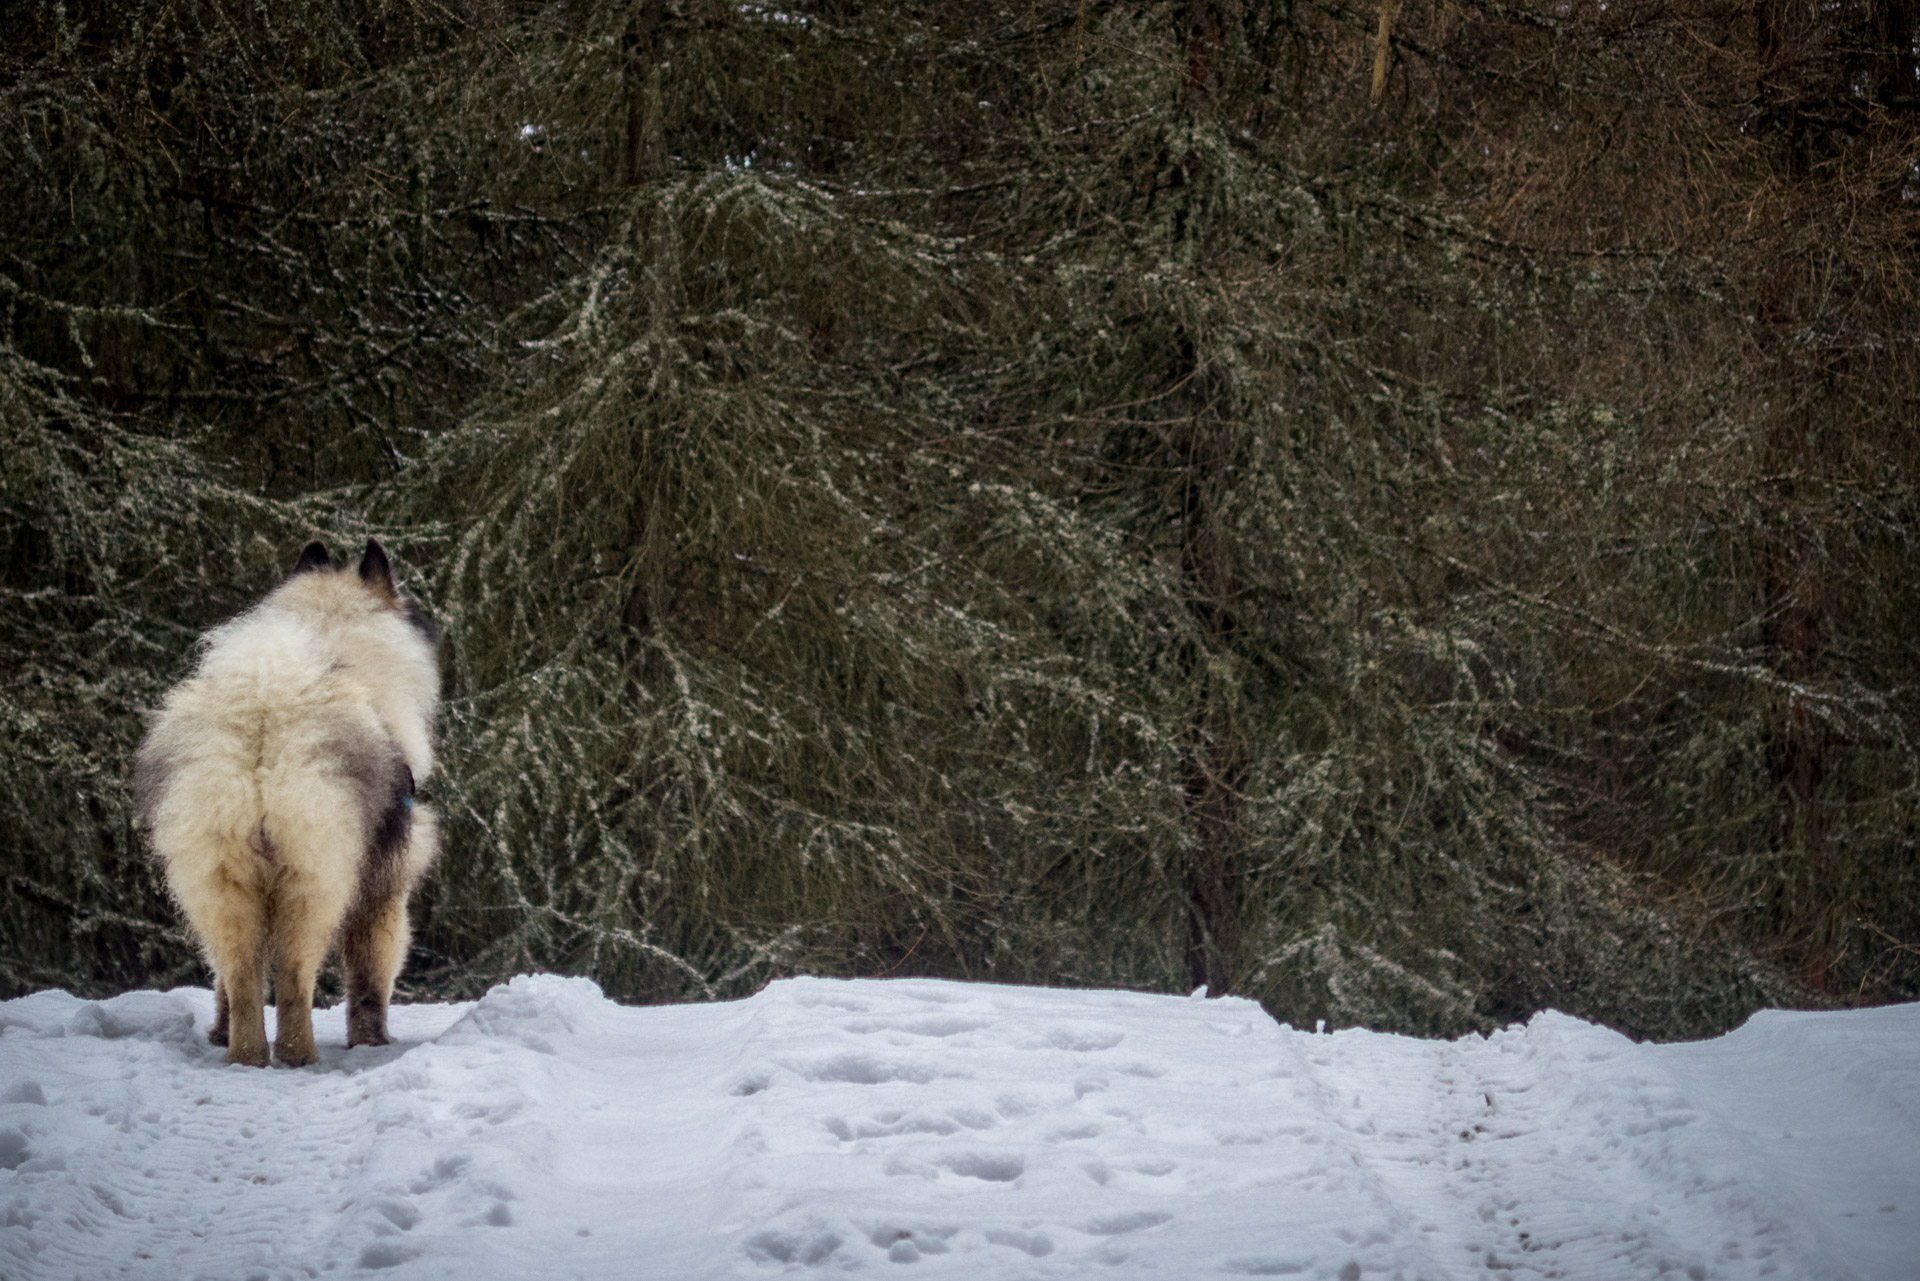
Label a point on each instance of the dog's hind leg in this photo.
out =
(373, 943)
(223, 1007)
(231, 918)
(372, 947)
(306, 912)
(313, 842)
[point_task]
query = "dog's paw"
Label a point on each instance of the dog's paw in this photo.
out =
(294, 1056)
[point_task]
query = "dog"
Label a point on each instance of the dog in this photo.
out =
(277, 785)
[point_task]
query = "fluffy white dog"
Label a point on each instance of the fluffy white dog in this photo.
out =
(278, 783)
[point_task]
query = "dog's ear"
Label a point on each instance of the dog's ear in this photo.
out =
(375, 570)
(313, 556)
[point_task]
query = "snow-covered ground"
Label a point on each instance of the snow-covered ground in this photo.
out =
(913, 1127)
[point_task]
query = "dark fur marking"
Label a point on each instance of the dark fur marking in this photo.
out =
(383, 862)
(416, 616)
(382, 786)
(313, 556)
(371, 763)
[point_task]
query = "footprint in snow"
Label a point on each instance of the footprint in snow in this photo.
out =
(989, 1167)
(376, 1255)
(389, 1219)
(884, 1125)
(1035, 1244)
(894, 1122)
(26, 1092)
(905, 1244)
(865, 1069)
(1069, 1134)
(398, 1211)
(780, 1246)
(751, 1083)
(14, 1148)
(444, 1171)
(1113, 1225)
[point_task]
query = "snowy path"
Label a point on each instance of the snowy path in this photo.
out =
(823, 1127)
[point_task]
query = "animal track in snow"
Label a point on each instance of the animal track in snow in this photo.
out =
(810, 1246)
(1035, 1244)
(14, 1148)
(1113, 1225)
(1084, 1130)
(990, 1167)
(443, 1171)
(865, 1069)
(376, 1255)
(752, 1083)
(401, 1213)
(891, 1124)
(906, 1244)
(26, 1092)
(901, 1168)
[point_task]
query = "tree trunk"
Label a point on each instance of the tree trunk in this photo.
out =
(644, 52)
(1216, 764)
(1205, 41)
(1798, 758)
(1793, 100)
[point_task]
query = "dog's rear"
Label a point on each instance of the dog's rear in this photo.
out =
(278, 787)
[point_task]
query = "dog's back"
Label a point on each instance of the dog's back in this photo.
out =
(277, 783)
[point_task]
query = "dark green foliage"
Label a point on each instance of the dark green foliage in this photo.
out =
(1055, 495)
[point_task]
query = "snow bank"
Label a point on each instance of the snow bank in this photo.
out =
(949, 1129)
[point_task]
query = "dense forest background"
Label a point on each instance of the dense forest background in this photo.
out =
(1405, 511)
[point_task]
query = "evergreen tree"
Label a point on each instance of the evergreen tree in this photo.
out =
(1402, 511)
